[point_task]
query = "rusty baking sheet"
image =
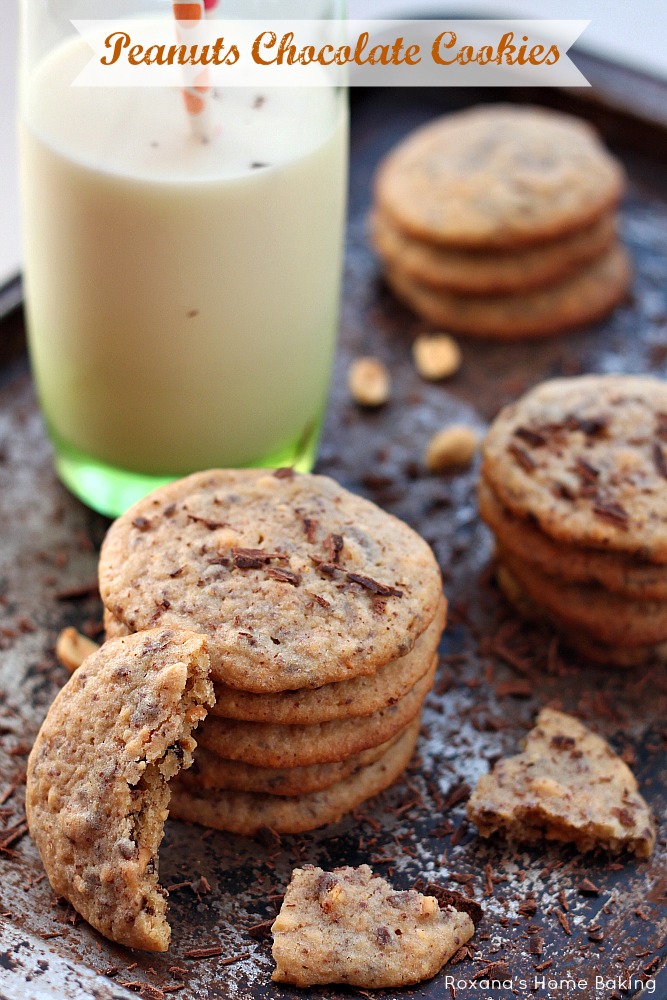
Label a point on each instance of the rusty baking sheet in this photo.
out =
(540, 925)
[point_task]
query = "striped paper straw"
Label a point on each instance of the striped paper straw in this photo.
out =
(197, 90)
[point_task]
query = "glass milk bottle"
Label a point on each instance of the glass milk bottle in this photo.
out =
(182, 291)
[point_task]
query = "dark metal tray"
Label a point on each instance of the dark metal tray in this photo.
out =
(495, 673)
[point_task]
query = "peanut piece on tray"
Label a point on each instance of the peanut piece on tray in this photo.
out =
(369, 382)
(452, 447)
(72, 648)
(437, 356)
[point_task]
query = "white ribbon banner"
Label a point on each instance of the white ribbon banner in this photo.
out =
(301, 53)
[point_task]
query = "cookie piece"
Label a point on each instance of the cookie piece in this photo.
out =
(578, 300)
(360, 696)
(97, 794)
(350, 926)
(211, 771)
(619, 573)
(295, 581)
(584, 459)
(578, 638)
(246, 812)
(470, 272)
(498, 176)
(566, 785)
(267, 745)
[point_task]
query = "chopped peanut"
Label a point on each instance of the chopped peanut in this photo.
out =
(436, 357)
(452, 447)
(72, 648)
(369, 382)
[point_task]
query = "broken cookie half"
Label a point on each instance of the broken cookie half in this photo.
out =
(350, 926)
(97, 794)
(567, 785)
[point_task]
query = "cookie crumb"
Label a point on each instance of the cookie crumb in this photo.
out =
(369, 382)
(436, 357)
(72, 648)
(450, 448)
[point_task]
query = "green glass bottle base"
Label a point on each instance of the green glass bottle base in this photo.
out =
(110, 490)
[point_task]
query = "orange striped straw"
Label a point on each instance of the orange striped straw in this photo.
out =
(197, 91)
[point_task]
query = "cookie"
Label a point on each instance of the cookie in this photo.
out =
(267, 745)
(295, 581)
(498, 176)
(246, 812)
(578, 300)
(610, 618)
(350, 926)
(566, 785)
(360, 696)
(470, 272)
(577, 637)
(211, 771)
(621, 574)
(584, 459)
(97, 794)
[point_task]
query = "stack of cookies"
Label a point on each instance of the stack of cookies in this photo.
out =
(574, 487)
(323, 616)
(500, 222)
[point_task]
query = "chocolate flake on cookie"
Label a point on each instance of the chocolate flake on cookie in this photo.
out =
(350, 926)
(567, 785)
(97, 794)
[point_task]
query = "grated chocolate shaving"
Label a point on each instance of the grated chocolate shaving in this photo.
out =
(536, 945)
(514, 689)
(624, 816)
(457, 794)
(533, 438)
(660, 460)
(612, 512)
(284, 576)
(591, 425)
(587, 888)
(322, 601)
(254, 558)
(527, 908)
(261, 930)
(494, 970)
(586, 471)
(335, 545)
(564, 922)
(560, 742)
(78, 593)
(142, 523)
(522, 457)
(451, 898)
(370, 584)
(207, 522)
(212, 952)
(309, 527)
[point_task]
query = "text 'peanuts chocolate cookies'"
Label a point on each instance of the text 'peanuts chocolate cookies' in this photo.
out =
(573, 487)
(323, 616)
(499, 221)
